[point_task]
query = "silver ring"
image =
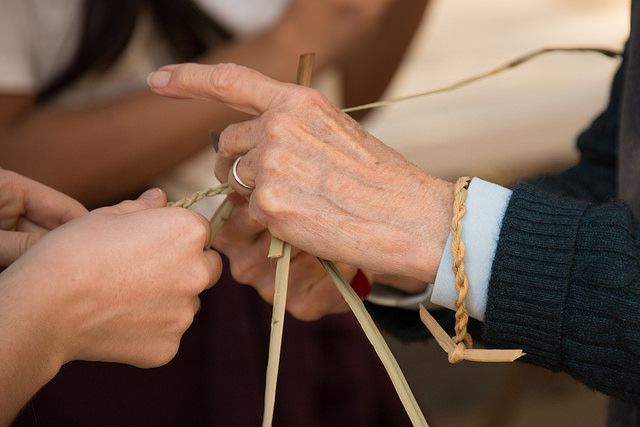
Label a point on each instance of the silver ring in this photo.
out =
(234, 171)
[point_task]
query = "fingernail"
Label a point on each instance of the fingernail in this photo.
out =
(151, 194)
(215, 139)
(158, 79)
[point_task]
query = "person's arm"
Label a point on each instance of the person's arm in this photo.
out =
(88, 290)
(565, 286)
(565, 281)
(369, 66)
(592, 179)
(100, 152)
(29, 357)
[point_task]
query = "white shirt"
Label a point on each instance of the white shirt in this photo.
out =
(39, 37)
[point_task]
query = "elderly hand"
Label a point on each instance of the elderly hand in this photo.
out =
(311, 294)
(28, 210)
(321, 181)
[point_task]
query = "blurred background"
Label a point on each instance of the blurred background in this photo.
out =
(75, 114)
(521, 122)
(515, 125)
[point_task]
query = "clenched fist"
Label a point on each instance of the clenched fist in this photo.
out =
(119, 284)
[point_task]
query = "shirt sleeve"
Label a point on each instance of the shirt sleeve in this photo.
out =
(17, 74)
(486, 205)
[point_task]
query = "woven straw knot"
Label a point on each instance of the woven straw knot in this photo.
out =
(199, 195)
(457, 354)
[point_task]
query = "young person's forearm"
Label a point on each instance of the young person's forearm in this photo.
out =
(368, 69)
(27, 359)
(102, 152)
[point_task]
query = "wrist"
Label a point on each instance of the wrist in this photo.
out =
(29, 328)
(432, 231)
(402, 283)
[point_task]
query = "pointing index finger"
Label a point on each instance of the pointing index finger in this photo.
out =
(238, 87)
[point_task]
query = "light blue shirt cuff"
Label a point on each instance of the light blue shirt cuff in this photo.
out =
(486, 204)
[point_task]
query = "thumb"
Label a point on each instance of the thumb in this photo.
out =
(13, 244)
(153, 198)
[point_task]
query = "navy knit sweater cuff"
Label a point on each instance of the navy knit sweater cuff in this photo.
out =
(530, 275)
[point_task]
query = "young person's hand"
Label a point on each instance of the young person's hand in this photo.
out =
(119, 284)
(28, 210)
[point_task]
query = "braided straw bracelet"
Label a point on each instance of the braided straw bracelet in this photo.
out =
(459, 347)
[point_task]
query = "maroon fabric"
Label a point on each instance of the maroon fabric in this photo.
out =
(329, 376)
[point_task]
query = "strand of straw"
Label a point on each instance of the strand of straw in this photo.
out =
(379, 345)
(282, 252)
(611, 53)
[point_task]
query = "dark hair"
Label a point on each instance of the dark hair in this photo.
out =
(108, 26)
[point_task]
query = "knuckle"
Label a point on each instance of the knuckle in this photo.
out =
(306, 312)
(183, 77)
(223, 77)
(194, 228)
(225, 144)
(276, 124)
(216, 264)
(312, 98)
(155, 355)
(221, 175)
(267, 201)
(271, 161)
(244, 272)
(266, 294)
(184, 321)
(256, 213)
(237, 272)
(198, 280)
(165, 354)
(125, 205)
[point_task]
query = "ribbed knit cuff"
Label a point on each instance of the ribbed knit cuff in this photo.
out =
(530, 275)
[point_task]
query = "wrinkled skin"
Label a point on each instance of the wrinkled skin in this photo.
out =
(321, 181)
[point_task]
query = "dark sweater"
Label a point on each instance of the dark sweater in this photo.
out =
(565, 283)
